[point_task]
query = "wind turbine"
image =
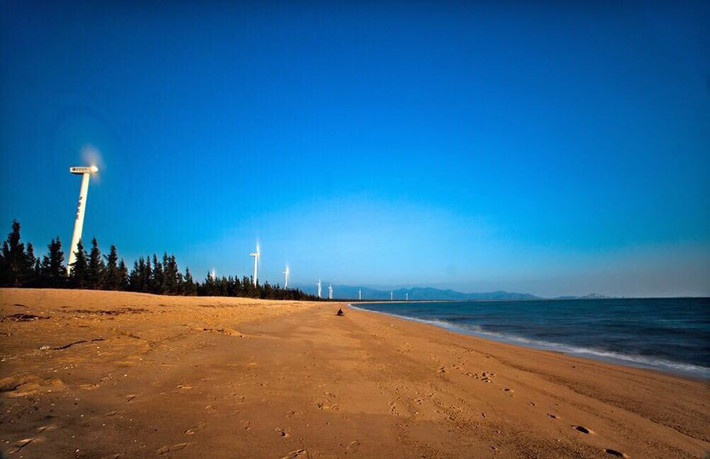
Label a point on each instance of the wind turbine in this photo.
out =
(85, 173)
(330, 292)
(319, 288)
(286, 273)
(359, 294)
(406, 297)
(256, 256)
(391, 295)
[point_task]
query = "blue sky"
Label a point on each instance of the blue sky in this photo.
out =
(560, 148)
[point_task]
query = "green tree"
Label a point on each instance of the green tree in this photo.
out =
(53, 273)
(112, 278)
(30, 277)
(97, 268)
(122, 276)
(78, 277)
(157, 279)
(14, 267)
(170, 275)
(189, 286)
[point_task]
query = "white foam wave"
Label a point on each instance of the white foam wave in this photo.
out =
(592, 353)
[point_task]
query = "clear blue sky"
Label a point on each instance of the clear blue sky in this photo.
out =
(561, 148)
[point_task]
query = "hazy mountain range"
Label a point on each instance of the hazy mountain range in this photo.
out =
(348, 292)
(415, 293)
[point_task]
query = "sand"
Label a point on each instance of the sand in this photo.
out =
(114, 374)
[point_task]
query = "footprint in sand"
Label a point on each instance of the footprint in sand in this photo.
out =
(194, 430)
(583, 429)
(89, 386)
(614, 452)
(169, 449)
(21, 444)
(553, 416)
(352, 447)
(296, 453)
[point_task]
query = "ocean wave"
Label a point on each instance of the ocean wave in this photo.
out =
(588, 352)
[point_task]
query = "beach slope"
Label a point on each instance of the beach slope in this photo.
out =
(115, 374)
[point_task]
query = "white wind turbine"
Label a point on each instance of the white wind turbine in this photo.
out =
(319, 288)
(330, 292)
(287, 271)
(359, 294)
(256, 256)
(85, 172)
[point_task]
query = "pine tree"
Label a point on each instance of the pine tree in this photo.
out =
(14, 267)
(122, 276)
(30, 276)
(157, 281)
(147, 276)
(95, 273)
(112, 279)
(170, 275)
(189, 287)
(80, 268)
(53, 273)
(38, 274)
(135, 278)
(140, 278)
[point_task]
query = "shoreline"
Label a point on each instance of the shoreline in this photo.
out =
(679, 369)
(100, 374)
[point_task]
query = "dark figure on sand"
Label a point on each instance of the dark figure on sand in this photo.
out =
(340, 312)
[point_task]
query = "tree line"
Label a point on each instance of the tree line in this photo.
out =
(20, 267)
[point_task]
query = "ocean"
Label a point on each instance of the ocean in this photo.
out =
(666, 334)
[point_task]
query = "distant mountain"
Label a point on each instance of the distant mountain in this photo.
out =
(594, 296)
(416, 293)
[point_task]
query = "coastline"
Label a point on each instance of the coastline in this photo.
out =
(684, 370)
(120, 373)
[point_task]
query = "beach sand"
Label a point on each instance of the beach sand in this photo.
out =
(109, 374)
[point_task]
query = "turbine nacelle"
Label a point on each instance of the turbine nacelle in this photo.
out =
(84, 170)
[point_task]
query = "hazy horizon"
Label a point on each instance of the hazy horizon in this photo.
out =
(554, 149)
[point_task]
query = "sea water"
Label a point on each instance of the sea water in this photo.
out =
(667, 334)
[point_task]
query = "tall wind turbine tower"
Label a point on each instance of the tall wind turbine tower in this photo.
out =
(85, 173)
(256, 256)
(287, 271)
(330, 292)
(406, 297)
(359, 294)
(391, 295)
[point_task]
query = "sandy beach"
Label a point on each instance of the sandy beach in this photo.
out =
(114, 374)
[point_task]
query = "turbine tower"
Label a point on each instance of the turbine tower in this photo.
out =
(85, 173)
(319, 288)
(256, 256)
(359, 294)
(391, 295)
(406, 297)
(286, 273)
(330, 292)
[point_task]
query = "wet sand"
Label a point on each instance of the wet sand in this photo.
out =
(108, 374)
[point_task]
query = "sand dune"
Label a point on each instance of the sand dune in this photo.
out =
(108, 374)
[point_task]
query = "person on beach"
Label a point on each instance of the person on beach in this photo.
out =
(340, 312)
